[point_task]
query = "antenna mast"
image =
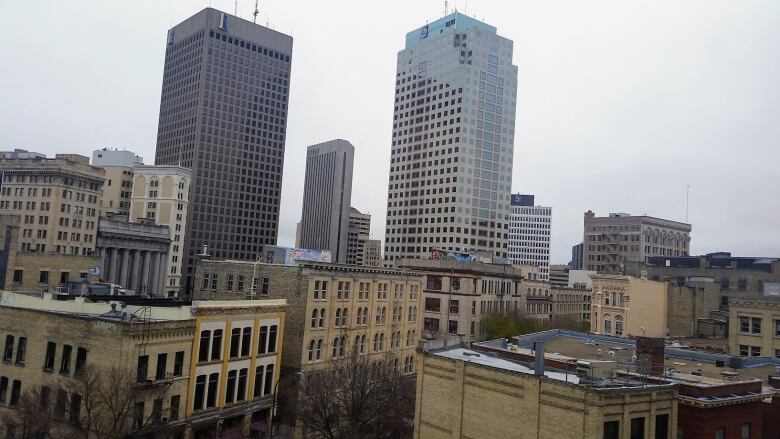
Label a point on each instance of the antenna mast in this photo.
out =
(236, 5)
(446, 7)
(257, 11)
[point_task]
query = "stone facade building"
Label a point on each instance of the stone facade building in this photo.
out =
(155, 354)
(332, 309)
(58, 200)
(119, 179)
(611, 242)
(161, 194)
(627, 306)
(135, 255)
(754, 329)
(458, 294)
(372, 253)
(463, 393)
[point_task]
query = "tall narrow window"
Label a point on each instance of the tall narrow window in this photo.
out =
(143, 367)
(8, 351)
(612, 430)
(162, 363)
(3, 389)
(178, 364)
(173, 413)
(211, 398)
(16, 391)
(21, 350)
(81, 360)
(200, 392)
(241, 391)
(269, 379)
(235, 342)
(51, 352)
(230, 390)
(272, 339)
(638, 428)
(75, 408)
(246, 341)
(261, 344)
(259, 373)
(203, 348)
(65, 362)
(662, 427)
(216, 345)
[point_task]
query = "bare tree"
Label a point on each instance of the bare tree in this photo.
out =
(356, 398)
(32, 417)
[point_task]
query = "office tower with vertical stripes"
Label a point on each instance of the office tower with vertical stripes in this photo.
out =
(452, 141)
(223, 113)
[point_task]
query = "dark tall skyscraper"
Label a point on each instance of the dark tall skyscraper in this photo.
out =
(223, 113)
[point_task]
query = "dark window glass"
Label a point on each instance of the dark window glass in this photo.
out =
(269, 379)
(200, 390)
(203, 349)
(4, 388)
(51, 352)
(272, 339)
(246, 341)
(143, 367)
(162, 362)
(21, 350)
(261, 345)
(241, 392)
(16, 390)
(638, 428)
(65, 362)
(230, 390)
(138, 415)
(174, 412)
(81, 359)
(259, 371)
(662, 427)
(75, 407)
(216, 345)
(178, 364)
(235, 342)
(211, 400)
(612, 430)
(8, 351)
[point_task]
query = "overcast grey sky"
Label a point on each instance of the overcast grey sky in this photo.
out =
(620, 104)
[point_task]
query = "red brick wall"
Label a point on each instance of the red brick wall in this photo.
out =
(737, 388)
(772, 419)
(698, 423)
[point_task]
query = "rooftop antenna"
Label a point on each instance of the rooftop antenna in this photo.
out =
(236, 7)
(257, 11)
(446, 7)
(687, 198)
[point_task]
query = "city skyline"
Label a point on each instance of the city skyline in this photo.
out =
(608, 123)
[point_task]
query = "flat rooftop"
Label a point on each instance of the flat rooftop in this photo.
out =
(475, 357)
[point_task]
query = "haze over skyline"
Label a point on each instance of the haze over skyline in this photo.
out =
(619, 106)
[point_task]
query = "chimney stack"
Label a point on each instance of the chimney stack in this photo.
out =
(539, 358)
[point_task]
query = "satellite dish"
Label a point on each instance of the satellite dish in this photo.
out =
(94, 271)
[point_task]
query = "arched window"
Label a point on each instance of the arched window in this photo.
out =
(343, 346)
(344, 316)
(336, 345)
(365, 315)
(356, 347)
(322, 318)
(607, 324)
(359, 316)
(376, 342)
(384, 314)
(314, 314)
(362, 343)
(337, 320)
(319, 350)
(311, 351)
(378, 315)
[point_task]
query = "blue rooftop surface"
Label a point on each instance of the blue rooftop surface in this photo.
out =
(455, 20)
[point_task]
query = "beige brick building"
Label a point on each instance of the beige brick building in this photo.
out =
(119, 179)
(610, 242)
(463, 393)
(754, 327)
(332, 308)
(457, 294)
(192, 370)
(161, 195)
(58, 200)
(628, 306)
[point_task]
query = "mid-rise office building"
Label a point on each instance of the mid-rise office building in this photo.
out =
(529, 234)
(576, 257)
(58, 200)
(118, 188)
(754, 329)
(372, 253)
(452, 140)
(357, 236)
(327, 193)
(612, 241)
(223, 114)
(161, 194)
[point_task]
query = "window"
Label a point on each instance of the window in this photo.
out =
(743, 350)
(3, 389)
(430, 324)
(138, 415)
(263, 337)
(203, 348)
(75, 407)
(241, 391)
(16, 390)
(173, 414)
(235, 342)
(618, 325)
(612, 430)
(744, 431)
(755, 325)
(638, 428)
(662, 427)
(157, 409)
(607, 326)
(269, 377)
(43, 277)
(60, 403)
(51, 352)
(81, 360)
(246, 341)
(454, 306)
(162, 360)
(18, 275)
(211, 394)
(432, 304)
(724, 283)
(742, 284)
(777, 328)
(453, 327)
(433, 283)
(231, 387)
(720, 433)
(259, 373)
(272, 339)
(8, 352)
(744, 324)
(200, 391)
(755, 351)
(178, 364)
(320, 289)
(216, 346)
(143, 366)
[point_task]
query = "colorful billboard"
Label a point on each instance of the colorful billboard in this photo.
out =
(301, 254)
(449, 255)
